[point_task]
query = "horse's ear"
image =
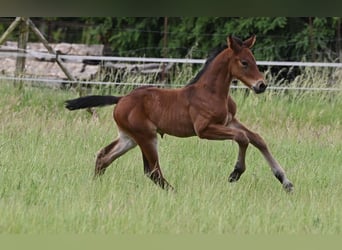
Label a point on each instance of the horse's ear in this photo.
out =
(250, 42)
(233, 44)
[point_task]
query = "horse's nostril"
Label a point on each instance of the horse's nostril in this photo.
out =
(262, 86)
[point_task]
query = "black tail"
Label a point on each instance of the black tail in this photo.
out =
(91, 101)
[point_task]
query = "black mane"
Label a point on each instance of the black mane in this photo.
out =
(210, 58)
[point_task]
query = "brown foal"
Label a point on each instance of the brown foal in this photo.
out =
(202, 108)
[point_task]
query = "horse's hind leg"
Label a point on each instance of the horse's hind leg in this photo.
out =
(156, 175)
(151, 162)
(113, 151)
(260, 144)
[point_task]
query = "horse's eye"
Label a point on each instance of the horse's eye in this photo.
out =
(244, 63)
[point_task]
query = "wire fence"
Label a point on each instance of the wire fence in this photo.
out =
(81, 59)
(176, 85)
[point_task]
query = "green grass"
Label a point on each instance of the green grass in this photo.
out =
(47, 160)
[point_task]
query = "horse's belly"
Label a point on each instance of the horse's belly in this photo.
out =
(180, 132)
(176, 127)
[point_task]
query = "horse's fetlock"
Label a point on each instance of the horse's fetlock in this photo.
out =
(279, 175)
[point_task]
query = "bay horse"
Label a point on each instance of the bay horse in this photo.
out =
(202, 108)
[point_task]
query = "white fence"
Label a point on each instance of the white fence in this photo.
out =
(80, 59)
(77, 58)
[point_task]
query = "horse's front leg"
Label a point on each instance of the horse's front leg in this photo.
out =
(260, 144)
(220, 132)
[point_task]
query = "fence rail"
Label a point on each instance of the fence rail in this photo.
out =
(80, 59)
(157, 84)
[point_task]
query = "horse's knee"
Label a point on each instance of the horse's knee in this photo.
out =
(241, 138)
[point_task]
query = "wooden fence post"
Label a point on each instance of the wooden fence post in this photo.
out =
(13, 25)
(22, 42)
(25, 24)
(50, 49)
(60, 63)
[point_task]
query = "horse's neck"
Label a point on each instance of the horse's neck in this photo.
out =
(217, 77)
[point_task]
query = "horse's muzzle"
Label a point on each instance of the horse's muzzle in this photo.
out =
(259, 87)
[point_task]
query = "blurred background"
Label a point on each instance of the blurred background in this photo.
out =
(279, 39)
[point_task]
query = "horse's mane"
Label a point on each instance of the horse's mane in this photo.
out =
(210, 58)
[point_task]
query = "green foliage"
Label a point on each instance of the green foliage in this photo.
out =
(125, 36)
(278, 38)
(314, 39)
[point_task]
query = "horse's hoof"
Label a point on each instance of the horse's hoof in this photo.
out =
(234, 177)
(288, 186)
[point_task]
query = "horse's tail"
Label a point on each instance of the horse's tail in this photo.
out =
(91, 101)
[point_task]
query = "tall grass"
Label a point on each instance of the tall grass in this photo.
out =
(47, 160)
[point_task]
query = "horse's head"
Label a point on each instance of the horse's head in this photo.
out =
(243, 65)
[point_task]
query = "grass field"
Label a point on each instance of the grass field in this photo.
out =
(47, 160)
